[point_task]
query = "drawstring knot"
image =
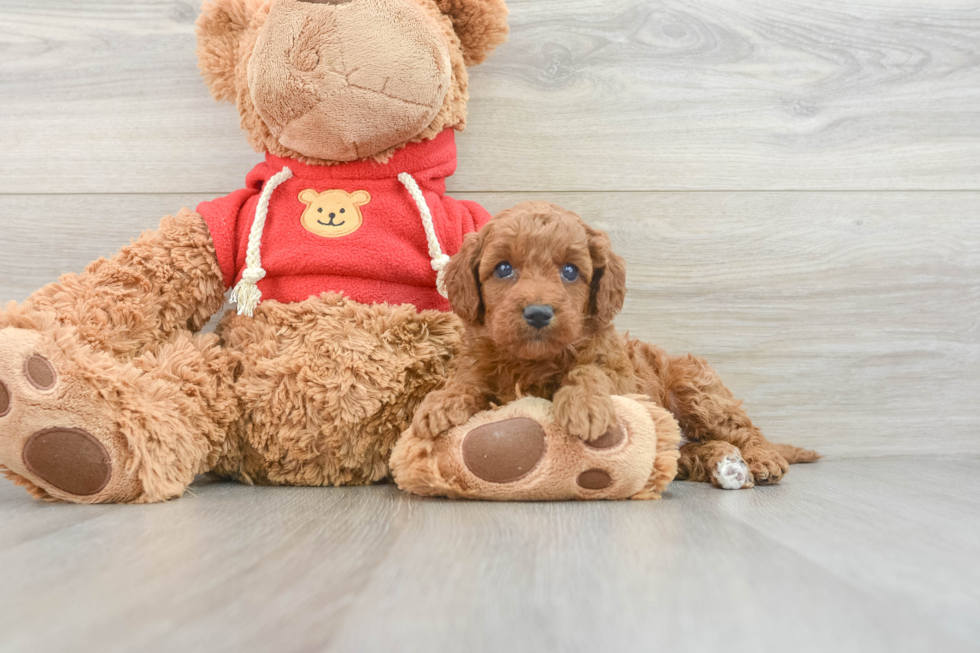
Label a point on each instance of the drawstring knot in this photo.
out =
(439, 260)
(247, 294)
(253, 276)
(439, 264)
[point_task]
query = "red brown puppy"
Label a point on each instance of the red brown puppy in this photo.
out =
(538, 290)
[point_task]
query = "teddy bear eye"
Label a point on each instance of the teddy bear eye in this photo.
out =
(503, 270)
(343, 210)
(569, 272)
(320, 210)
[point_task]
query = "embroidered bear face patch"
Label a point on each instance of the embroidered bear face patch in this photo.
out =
(333, 213)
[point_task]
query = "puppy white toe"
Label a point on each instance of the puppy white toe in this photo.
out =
(731, 473)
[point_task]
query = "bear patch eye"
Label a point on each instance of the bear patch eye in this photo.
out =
(569, 272)
(504, 270)
(343, 210)
(320, 210)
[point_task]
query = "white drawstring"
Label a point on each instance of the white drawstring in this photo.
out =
(439, 260)
(247, 294)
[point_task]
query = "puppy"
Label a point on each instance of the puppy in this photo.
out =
(538, 290)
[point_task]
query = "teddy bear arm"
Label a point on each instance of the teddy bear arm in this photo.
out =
(164, 282)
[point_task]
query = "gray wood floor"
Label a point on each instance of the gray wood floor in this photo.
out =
(873, 554)
(796, 188)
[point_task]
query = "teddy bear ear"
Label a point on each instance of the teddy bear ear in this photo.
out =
(219, 33)
(481, 25)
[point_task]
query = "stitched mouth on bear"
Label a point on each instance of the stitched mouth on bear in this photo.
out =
(331, 223)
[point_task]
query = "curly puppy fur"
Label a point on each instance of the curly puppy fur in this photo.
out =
(578, 359)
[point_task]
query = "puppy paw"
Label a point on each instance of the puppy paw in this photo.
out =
(441, 411)
(583, 415)
(767, 466)
(731, 473)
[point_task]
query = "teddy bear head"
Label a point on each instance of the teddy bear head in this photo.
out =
(331, 81)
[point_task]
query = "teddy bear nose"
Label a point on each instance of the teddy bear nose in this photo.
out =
(538, 315)
(332, 215)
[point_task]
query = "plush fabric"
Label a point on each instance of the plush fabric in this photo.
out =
(327, 385)
(343, 82)
(385, 260)
(310, 393)
(108, 394)
(162, 416)
(639, 463)
(229, 33)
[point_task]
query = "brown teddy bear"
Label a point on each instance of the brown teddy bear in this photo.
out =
(107, 392)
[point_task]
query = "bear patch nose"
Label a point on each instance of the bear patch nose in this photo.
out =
(538, 315)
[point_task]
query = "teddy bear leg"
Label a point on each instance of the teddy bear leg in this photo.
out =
(78, 425)
(327, 385)
(717, 462)
(102, 386)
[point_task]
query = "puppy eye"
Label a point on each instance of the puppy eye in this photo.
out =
(503, 270)
(569, 273)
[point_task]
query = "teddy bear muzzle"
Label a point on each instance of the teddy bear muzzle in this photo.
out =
(345, 81)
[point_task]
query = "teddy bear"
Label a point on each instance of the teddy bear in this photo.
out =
(333, 252)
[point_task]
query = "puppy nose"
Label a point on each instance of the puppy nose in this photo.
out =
(538, 315)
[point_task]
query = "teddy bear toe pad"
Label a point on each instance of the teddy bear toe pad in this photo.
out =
(4, 399)
(609, 439)
(594, 479)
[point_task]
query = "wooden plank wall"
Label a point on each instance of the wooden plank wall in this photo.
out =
(795, 185)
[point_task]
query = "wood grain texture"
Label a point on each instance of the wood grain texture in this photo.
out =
(846, 321)
(104, 96)
(843, 556)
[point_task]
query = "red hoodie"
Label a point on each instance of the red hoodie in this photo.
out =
(351, 228)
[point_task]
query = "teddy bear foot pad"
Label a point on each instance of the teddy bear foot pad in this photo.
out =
(518, 452)
(52, 437)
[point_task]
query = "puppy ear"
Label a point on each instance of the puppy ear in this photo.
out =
(608, 278)
(481, 26)
(219, 33)
(463, 279)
